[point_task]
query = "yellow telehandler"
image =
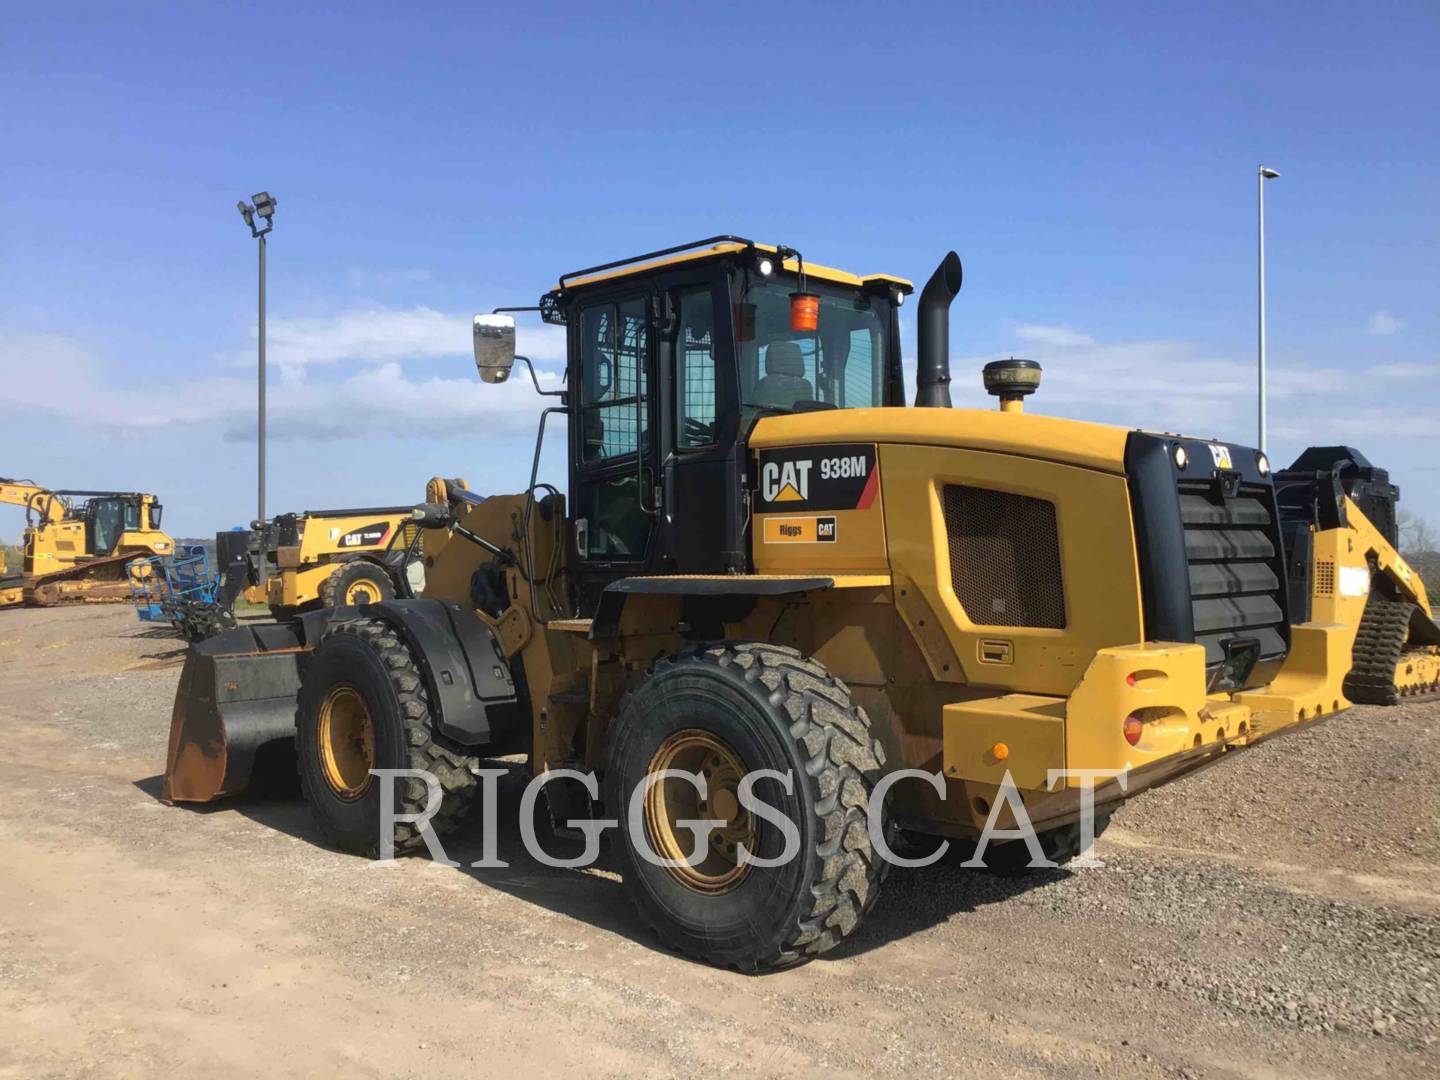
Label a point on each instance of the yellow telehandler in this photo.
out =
(769, 573)
(78, 544)
(327, 558)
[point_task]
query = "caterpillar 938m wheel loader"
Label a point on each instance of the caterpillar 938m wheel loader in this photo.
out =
(78, 544)
(769, 572)
(1338, 516)
(327, 558)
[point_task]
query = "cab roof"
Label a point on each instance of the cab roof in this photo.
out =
(715, 247)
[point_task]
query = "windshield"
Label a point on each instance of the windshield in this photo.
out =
(841, 364)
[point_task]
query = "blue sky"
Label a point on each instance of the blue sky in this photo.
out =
(1093, 165)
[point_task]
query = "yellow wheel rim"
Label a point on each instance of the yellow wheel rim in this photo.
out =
(347, 742)
(675, 799)
(361, 592)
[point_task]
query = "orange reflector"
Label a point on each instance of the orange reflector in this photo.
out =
(1001, 751)
(1133, 729)
(804, 311)
(1130, 679)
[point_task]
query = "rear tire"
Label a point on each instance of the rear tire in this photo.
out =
(1060, 845)
(363, 704)
(758, 706)
(355, 583)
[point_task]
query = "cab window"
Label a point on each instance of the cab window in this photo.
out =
(613, 420)
(107, 519)
(840, 364)
(695, 376)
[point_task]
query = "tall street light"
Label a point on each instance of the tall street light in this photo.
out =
(1264, 174)
(263, 207)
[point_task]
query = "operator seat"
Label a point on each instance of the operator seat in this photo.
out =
(784, 383)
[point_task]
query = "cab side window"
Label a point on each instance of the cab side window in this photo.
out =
(613, 417)
(695, 377)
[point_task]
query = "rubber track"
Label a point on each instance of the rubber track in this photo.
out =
(845, 762)
(1379, 643)
(450, 768)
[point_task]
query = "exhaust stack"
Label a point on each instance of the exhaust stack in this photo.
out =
(932, 376)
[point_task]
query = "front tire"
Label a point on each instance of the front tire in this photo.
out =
(354, 583)
(733, 708)
(364, 705)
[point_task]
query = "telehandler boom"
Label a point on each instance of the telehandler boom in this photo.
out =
(770, 576)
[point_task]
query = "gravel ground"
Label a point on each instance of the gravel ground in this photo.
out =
(1276, 915)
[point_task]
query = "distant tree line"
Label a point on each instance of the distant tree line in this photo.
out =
(1420, 544)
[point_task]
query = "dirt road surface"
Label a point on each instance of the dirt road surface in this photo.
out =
(1278, 915)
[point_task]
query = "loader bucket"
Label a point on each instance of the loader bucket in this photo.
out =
(234, 718)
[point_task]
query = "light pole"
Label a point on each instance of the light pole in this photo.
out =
(264, 207)
(1264, 174)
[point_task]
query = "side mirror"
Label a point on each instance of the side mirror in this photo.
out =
(494, 347)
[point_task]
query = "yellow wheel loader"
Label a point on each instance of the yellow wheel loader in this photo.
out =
(1341, 541)
(327, 558)
(778, 616)
(78, 544)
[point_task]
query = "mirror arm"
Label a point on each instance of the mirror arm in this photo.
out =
(536, 379)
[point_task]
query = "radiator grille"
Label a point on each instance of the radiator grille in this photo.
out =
(1324, 577)
(1232, 553)
(1004, 557)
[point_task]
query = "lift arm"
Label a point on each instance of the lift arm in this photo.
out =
(35, 499)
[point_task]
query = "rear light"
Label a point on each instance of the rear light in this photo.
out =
(1133, 728)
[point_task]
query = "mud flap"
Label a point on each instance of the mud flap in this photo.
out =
(234, 716)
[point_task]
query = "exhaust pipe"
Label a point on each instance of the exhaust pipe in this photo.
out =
(932, 376)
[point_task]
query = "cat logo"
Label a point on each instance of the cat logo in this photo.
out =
(840, 476)
(786, 481)
(1221, 454)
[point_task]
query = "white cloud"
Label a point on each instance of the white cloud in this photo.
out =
(1358, 423)
(1061, 337)
(1166, 385)
(1382, 322)
(55, 374)
(385, 335)
(1407, 371)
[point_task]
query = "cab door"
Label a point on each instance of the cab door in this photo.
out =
(612, 440)
(702, 500)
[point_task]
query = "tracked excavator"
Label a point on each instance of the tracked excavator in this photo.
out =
(1337, 514)
(767, 566)
(77, 545)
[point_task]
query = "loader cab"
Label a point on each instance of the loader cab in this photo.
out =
(672, 358)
